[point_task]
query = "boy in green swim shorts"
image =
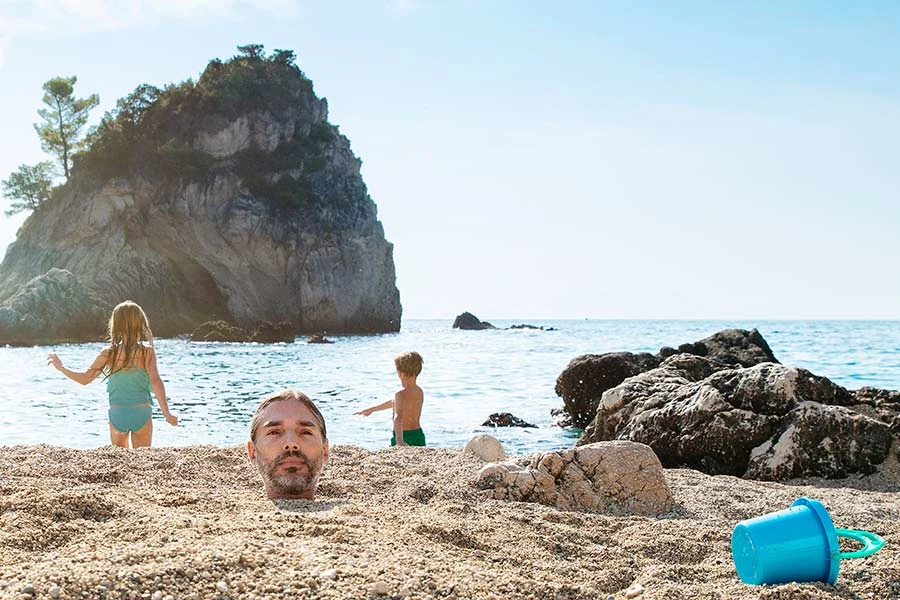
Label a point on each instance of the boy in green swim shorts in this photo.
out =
(407, 402)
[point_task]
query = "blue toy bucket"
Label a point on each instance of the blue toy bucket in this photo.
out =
(799, 544)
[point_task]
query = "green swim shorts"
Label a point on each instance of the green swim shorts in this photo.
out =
(412, 437)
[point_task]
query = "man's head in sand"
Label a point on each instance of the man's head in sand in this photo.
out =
(288, 444)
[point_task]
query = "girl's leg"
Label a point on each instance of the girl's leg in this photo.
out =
(118, 438)
(143, 436)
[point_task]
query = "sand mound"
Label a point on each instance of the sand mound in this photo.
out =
(192, 523)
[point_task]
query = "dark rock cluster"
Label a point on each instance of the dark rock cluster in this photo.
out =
(724, 405)
(469, 321)
(505, 420)
(586, 377)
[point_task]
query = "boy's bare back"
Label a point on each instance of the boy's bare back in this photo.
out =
(408, 405)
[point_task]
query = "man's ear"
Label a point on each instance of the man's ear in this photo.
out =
(325, 451)
(251, 451)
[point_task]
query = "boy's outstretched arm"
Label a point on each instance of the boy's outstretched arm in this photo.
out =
(83, 378)
(399, 407)
(368, 411)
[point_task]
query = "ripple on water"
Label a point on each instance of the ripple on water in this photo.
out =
(215, 387)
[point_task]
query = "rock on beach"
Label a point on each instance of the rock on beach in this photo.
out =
(192, 524)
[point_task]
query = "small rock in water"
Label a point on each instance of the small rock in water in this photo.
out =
(634, 591)
(506, 420)
(329, 574)
(222, 586)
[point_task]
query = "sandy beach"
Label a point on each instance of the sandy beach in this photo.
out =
(192, 523)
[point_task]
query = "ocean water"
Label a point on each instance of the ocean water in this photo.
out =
(215, 387)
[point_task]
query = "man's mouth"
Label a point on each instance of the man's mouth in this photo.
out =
(292, 461)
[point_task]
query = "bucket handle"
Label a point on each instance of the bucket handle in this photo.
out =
(871, 542)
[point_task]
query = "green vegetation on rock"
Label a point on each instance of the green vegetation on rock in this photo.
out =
(28, 187)
(63, 119)
(150, 132)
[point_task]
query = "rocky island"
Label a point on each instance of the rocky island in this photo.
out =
(229, 198)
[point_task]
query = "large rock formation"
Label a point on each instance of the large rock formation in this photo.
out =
(767, 421)
(232, 198)
(724, 405)
(586, 377)
(51, 307)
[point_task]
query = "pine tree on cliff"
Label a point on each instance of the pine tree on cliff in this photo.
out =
(64, 118)
(28, 187)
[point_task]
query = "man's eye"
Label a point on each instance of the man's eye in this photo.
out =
(273, 432)
(306, 432)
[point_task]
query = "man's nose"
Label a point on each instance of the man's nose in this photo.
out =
(291, 442)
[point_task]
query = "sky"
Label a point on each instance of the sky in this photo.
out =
(534, 160)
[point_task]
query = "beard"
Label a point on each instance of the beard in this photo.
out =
(294, 480)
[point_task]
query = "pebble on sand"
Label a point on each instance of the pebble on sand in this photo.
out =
(379, 588)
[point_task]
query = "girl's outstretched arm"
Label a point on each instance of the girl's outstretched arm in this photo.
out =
(83, 378)
(368, 411)
(156, 383)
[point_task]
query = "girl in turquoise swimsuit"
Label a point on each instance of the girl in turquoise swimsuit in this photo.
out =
(129, 367)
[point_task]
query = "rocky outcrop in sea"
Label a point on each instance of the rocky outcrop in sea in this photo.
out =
(586, 377)
(469, 321)
(232, 198)
(725, 406)
(505, 420)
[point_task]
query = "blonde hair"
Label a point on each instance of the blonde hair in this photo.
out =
(128, 327)
(409, 363)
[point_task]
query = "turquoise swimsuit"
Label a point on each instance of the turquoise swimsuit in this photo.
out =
(129, 399)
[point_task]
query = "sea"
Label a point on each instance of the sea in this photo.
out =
(468, 375)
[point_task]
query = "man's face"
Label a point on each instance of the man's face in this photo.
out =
(289, 450)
